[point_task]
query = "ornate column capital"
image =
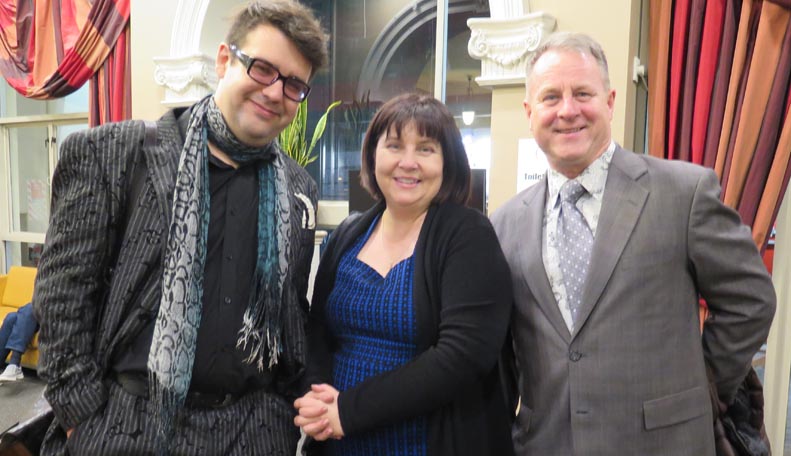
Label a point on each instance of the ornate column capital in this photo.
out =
(504, 44)
(187, 74)
(186, 79)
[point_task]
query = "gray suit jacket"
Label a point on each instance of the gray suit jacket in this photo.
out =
(631, 379)
(99, 280)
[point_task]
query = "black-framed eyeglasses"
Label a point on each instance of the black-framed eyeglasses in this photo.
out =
(265, 73)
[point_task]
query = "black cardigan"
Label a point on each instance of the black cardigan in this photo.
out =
(462, 295)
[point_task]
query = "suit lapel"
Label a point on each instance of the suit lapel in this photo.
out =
(132, 291)
(532, 259)
(623, 201)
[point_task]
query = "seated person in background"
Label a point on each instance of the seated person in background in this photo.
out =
(411, 304)
(16, 333)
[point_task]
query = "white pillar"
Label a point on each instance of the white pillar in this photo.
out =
(778, 351)
(504, 41)
(187, 74)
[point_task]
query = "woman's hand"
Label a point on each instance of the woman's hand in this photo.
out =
(310, 417)
(318, 413)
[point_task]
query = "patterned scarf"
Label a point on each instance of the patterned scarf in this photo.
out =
(172, 353)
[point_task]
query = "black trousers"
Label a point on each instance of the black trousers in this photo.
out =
(259, 423)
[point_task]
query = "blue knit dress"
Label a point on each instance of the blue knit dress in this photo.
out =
(373, 319)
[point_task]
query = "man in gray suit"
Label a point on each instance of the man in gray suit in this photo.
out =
(172, 289)
(609, 254)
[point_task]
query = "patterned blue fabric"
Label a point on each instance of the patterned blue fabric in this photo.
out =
(373, 318)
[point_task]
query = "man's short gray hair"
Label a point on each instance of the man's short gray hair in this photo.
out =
(569, 41)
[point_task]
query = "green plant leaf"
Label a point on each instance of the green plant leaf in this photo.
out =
(318, 132)
(293, 138)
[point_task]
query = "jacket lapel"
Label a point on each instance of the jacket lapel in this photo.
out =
(132, 289)
(530, 255)
(623, 201)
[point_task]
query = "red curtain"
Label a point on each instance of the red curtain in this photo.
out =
(49, 49)
(719, 96)
(110, 87)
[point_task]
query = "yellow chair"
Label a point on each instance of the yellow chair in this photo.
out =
(16, 290)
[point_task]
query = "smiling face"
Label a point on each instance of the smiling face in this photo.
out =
(257, 113)
(408, 169)
(570, 109)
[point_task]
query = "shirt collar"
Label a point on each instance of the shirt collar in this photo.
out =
(592, 178)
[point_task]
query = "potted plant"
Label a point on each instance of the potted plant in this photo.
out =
(293, 139)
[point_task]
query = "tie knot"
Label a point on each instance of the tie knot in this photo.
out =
(571, 191)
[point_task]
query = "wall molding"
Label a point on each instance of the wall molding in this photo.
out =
(187, 74)
(503, 46)
(186, 79)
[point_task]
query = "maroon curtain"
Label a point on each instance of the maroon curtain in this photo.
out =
(728, 64)
(707, 69)
(110, 88)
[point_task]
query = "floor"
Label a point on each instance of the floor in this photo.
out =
(21, 400)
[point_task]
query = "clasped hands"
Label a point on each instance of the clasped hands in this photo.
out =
(317, 413)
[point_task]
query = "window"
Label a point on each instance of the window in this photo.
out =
(29, 134)
(379, 49)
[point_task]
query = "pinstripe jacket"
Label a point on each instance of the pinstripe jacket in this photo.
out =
(99, 280)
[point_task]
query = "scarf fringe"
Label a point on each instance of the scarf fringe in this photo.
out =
(167, 404)
(264, 343)
(261, 326)
(263, 323)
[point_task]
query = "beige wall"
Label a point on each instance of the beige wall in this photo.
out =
(151, 24)
(609, 22)
(509, 123)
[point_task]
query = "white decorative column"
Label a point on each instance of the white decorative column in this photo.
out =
(778, 350)
(186, 79)
(187, 74)
(504, 41)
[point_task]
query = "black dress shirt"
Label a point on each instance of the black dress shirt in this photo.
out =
(230, 265)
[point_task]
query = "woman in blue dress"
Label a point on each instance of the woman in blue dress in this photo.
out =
(411, 304)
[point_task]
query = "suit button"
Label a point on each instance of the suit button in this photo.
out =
(227, 299)
(575, 355)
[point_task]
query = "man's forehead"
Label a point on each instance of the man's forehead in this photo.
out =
(554, 68)
(554, 57)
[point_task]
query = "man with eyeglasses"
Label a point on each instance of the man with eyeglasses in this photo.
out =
(172, 289)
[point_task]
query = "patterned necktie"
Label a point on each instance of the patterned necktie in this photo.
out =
(574, 245)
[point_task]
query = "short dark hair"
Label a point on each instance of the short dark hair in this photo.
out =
(432, 119)
(296, 21)
(570, 41)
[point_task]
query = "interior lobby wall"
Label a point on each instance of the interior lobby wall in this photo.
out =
(151, 28)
